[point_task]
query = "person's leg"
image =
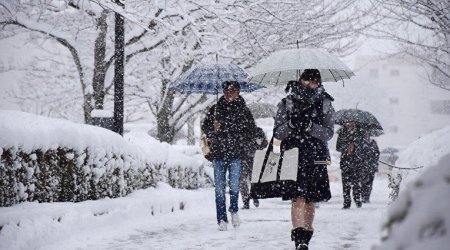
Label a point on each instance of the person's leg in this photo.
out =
(346, 188)
(219, 181)
(365, 179)
(234, 175)
(250, 171)
(302, 216)
(302, 213)
(243, 184)
(356, 184)
(370, 185)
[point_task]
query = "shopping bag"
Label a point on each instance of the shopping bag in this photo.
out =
(274, 174)
(206, 148)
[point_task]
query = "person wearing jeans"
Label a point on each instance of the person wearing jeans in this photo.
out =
(234, 168)
(228, 126)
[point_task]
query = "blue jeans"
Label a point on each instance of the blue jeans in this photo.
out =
(234, 172)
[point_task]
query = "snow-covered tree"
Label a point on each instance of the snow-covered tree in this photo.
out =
(165, 38)
(421, 29)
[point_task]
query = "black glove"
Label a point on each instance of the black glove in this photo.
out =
(300, 123)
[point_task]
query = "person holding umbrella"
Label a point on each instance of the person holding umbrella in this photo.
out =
(350, 143)
(229, 126)
(355, 145)
(305, 120)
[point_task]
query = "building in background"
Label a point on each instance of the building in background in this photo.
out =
(410, 104)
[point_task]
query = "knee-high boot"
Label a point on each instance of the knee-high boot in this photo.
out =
(301, 237)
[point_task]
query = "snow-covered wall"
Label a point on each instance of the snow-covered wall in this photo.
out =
(46, 159)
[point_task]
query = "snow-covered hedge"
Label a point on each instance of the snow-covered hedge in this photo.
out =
(420, 218)
(419, 155)
(45, 159)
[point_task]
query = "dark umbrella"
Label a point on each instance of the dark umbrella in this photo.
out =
(208, 79)
(363, 118)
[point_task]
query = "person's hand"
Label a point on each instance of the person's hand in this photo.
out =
(350, 148)
(216, 125)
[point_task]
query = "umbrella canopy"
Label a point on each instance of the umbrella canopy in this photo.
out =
(287, 65)
(364, 118)
(208, 79)
(262, 110)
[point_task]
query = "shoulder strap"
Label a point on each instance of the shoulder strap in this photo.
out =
(266, 157)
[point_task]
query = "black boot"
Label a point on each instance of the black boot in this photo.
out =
(301, 237)
(246, 204)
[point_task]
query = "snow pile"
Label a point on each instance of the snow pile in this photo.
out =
(181, 166)
(32, 225)
(426, 151)
(30, 132)
(419, 218)
(419, 155)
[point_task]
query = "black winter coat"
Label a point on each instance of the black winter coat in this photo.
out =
(312, 177)
(358, 158)
(237, 129)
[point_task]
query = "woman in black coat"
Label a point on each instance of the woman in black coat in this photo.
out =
(305, 119)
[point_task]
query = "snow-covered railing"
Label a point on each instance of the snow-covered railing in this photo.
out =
(45, 159)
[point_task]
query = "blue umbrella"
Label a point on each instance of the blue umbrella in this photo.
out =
(208, 79)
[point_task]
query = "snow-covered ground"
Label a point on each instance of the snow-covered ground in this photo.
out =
(152, 219)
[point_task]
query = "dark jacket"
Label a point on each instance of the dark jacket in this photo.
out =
(372, 154)
(358, 158)
(258, 142)
(237, 129)
(312, 178)
(314, 141)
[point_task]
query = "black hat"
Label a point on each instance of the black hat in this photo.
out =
(228, 84)
(311, 75)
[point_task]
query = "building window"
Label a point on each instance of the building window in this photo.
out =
(373, 73)
(440, 107)
(393, 100)
(395, 72)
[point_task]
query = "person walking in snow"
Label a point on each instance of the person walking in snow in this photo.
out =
(371, 155)
(305, 119)
(229, 126)
(350, 143)
(259, 142)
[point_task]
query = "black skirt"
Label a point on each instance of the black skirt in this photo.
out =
(312, 178)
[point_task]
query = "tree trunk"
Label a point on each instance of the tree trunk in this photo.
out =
(191, 132)
(166, 131)
(87, 108)
(98, 81)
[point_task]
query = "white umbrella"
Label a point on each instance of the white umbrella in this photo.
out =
(287, 65)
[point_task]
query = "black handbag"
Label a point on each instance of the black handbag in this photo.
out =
(274, 174)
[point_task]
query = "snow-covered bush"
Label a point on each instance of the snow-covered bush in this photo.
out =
(65, 174)
(45, 159)
(421, 154)
(419, 218)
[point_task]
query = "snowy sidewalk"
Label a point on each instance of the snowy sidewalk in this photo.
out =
(128, 223)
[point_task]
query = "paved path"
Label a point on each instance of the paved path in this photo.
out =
(266, 227)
